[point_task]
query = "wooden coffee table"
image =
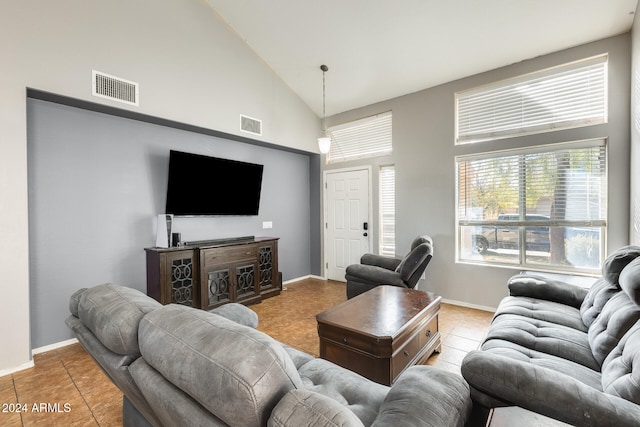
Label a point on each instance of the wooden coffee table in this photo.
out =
(381, 332)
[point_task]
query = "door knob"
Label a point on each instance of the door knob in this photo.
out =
(365, 234)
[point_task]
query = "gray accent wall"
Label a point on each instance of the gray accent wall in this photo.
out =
(96, 184)
(424, 157)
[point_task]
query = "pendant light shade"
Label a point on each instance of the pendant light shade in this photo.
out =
(324, 142)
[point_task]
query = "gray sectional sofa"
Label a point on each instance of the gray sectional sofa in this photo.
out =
(564, 351)
(179, 366)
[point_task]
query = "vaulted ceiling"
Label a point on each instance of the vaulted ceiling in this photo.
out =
(381, 49)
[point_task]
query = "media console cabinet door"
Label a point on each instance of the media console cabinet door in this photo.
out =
(229, 274)
(172, 277)
(268, 263)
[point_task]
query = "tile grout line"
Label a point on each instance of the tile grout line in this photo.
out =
(77, 388)
(15, 393)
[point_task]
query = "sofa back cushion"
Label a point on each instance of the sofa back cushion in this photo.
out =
(235, 372)
(113, 313)
(617, 317)
(621, 369)
(617, 261)
(599, 294)
(630, 280)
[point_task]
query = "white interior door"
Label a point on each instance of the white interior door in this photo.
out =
(347, 224)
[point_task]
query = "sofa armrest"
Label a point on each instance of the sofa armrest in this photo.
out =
(546, 392)
(238, 313)
(386, 262)
(426, 396)
(308, 408)
(547, 289)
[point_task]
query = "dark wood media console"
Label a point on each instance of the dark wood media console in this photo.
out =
(207, 274)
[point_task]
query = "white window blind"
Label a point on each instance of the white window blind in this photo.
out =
(567, 96)
(387, 210)
(368, 137)
(544, 206)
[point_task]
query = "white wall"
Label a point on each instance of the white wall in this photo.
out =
(634, 229)
(190, 68)
(424, 153)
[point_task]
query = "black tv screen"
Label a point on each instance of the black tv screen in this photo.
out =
(204, 185)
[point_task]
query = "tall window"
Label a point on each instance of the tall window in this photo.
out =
(387, 210)
(543, 207)
(567, 96)
(368, 137)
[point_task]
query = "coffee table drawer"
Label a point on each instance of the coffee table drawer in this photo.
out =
(429, 332)
(355, 341)
(406, 354)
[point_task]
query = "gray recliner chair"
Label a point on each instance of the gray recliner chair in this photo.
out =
(375, 270)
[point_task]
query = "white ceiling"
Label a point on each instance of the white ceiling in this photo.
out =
(381, 49)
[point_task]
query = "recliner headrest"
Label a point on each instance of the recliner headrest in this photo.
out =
(421, 239)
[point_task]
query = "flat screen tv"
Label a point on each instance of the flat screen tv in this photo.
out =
(203, 185)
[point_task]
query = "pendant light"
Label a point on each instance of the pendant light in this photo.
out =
(324, 142)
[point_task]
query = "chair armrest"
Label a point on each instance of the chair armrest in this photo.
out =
(426, 396)
(373, 275)
(307, 408)
(546, 392)
(389, 263)
(547, 289)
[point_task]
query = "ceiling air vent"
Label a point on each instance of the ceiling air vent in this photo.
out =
(248, 124)
(114, 88)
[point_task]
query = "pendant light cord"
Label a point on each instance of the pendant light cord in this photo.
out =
(324, 69)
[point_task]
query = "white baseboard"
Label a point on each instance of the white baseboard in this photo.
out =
(54, 346)
(22, 367)
(466, 304)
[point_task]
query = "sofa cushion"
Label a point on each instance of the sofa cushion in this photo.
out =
(306, 408)
(74, 301)
(621, 368)
(544, 337)
(543, 288)
(113, 313)
(599, 294)
(553, 363)
(445, 400)
(617, 317)
(236, 372)
(542, 310)
(630, 280)
(617, 261)
(172, 406)
(238, 313)
(360, 395)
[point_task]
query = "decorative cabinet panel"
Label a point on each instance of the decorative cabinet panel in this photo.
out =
(268, 267)
(213, 273)
(172, 277)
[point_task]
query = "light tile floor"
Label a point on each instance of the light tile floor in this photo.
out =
(67, 388)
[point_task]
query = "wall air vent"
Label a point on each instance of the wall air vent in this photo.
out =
(114, 88)
(251, 125)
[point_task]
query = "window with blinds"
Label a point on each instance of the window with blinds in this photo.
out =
(542, 207)
(368, 137)
(563, 97)
(387, 210)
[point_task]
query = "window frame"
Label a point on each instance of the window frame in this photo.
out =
(523, 223)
